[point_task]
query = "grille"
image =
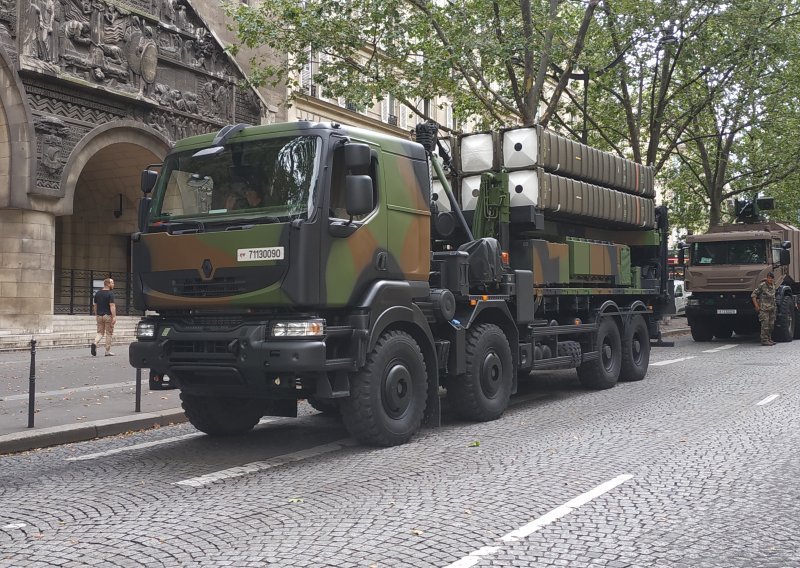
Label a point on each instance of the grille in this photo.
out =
(196, 288)
(209, 347)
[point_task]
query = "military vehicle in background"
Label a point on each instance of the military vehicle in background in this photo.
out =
(335, 264)
(726, 264)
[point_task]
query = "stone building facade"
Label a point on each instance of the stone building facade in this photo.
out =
(91, 92)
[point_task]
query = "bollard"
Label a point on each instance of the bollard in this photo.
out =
(138, 390)
(32, 385)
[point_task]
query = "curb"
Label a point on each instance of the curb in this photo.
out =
(71, 433)
(677, 331)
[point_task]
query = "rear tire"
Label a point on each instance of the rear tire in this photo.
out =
(635, 350)
(483, 392)
(785, 323)
(702, 330)
(222, 416)
(603, 372)
(723, 331)
(328, 406)
(387, 397)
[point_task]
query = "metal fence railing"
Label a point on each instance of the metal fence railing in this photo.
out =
(75, 289)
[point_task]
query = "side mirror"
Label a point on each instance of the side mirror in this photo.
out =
(357, 157)
(784, 257)
(358, 195)
(144, 210)
(149, 178)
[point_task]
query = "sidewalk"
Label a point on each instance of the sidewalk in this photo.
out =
(80, 397)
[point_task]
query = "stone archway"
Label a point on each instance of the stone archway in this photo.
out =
(101, 187)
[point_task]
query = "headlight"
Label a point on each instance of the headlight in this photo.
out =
(305, 328)
(692, 302)
(145, 330)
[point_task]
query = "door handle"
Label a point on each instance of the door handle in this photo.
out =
(381, 260)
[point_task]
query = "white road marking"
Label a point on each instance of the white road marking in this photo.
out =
(254, 467)
(67, 391)
(135, 447)
(144, 445)
(474, 557)
(15, 526)
(670, 361)
(721, 348)
(767, 400)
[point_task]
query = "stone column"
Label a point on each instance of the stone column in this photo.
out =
(27, 263)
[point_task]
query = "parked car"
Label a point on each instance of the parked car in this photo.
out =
(680, 298)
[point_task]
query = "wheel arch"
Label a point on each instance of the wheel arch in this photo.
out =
(497, 312)
(411, 320)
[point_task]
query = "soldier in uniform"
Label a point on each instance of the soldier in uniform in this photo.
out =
(764, 302)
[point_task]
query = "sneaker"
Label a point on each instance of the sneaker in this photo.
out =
(94, 350)
(109, 354)
(767, 344)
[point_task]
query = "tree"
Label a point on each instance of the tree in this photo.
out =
(703, 90)
(490, 57)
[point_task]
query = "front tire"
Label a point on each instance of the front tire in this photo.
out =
(702, 330)
(222, 416)
(635, 350)
(785, 321)
(483, 392)
(329, 406)
(603, 372)
(387, 397)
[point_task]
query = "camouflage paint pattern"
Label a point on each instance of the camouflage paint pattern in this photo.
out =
(403, 191)
(201, 270)
(160, 258)
(573, 263)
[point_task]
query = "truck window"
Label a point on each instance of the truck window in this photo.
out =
(274, 177)
(731, 252)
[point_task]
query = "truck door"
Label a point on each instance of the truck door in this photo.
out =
(357, 251)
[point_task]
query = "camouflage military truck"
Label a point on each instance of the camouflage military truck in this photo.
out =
(726, 264)
(334, 264)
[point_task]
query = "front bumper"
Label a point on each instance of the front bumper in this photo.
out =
(240, 360)
(717, 305)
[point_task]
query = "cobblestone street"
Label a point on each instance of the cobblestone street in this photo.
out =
(695, 466)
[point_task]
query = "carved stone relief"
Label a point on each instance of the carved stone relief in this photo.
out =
(50, 138)
(117, 49)
(173, 74)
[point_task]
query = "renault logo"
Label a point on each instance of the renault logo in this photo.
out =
(207, 268)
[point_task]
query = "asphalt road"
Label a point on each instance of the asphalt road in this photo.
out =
(695, 466)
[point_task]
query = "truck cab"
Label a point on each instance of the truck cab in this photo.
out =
(725, 266)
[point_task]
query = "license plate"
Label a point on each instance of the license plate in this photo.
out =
(256, 254)
(726, 312)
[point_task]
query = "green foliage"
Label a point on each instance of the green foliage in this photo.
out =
(478, 53)
(704, 90)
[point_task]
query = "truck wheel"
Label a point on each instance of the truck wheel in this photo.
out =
(635, 350)
(723, 331)
(324, 405)
(785, 322)
(222, 416)
(483, 392)
(387, 397)
(702, 330)
(796, 325)
(603, 372)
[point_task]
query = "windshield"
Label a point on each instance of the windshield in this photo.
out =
(274, 179)
(730, 252)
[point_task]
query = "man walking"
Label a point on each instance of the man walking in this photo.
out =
(764, 301)
(106, 312)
